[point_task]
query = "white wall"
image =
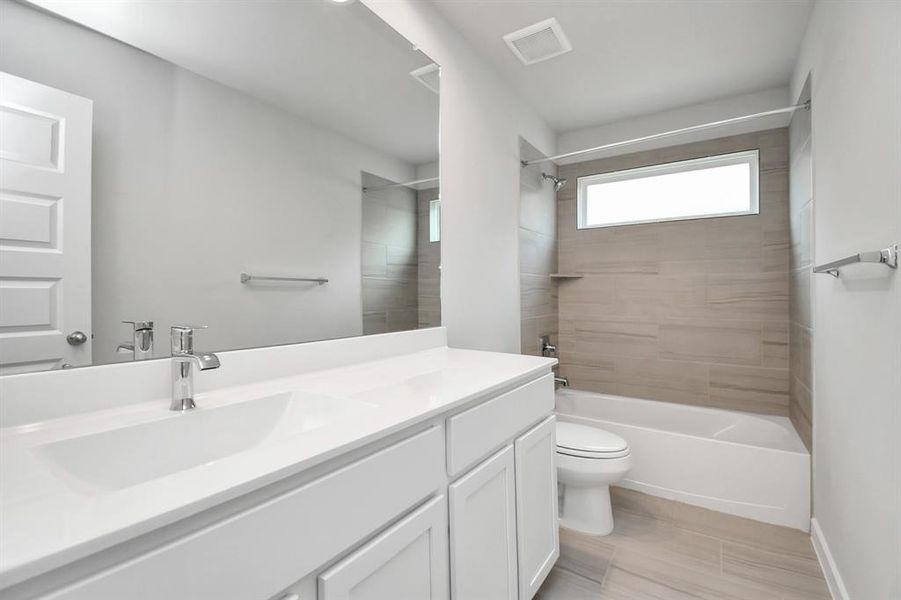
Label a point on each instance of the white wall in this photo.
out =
(852, 51)
(193, 183)
(688, 116)
(481, 121)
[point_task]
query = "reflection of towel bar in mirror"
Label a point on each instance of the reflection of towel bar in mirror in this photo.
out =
(887, 256)
(247, 277)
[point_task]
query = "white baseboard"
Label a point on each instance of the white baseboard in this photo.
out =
(827, 563)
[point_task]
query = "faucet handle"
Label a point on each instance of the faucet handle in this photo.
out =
(136, 325)
(182, 337)
(187, 328)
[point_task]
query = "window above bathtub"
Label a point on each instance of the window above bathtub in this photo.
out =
(714, 186)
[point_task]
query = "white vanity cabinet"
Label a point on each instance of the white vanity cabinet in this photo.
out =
(503, 512)
(458, 506)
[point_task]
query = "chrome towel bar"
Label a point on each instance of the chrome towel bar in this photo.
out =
(887, 256)
(247, 277)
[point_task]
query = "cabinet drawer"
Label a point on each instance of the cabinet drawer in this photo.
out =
(475, 433)
(259, 552)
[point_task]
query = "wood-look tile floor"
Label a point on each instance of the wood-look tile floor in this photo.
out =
(664, 550)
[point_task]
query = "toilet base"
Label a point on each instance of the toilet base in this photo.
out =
(587, 509)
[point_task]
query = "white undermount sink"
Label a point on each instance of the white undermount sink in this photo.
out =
(120, 458)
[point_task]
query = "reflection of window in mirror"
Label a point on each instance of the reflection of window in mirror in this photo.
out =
(435, 220)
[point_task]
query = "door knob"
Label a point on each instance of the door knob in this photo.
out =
(76, 338)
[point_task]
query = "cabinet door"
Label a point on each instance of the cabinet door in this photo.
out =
(409, 560)
(537, 536)
(483, 531)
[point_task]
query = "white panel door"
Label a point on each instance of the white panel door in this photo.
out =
(483, 531)
(408, 561)
(537, 536)
(45, 226)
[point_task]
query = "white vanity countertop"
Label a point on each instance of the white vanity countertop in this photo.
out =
(48, 519)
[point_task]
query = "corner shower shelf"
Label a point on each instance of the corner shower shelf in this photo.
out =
(566, 276)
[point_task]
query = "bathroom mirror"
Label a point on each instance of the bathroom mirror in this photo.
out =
(266, 169)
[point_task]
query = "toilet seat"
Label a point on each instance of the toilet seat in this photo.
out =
(583, 441)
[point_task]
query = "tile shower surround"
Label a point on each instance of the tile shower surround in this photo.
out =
(695, 312)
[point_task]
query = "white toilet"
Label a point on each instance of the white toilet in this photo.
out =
(588, 461)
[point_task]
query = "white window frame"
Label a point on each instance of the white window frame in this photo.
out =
(750, 157)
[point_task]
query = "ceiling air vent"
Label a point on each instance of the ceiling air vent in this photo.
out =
(538, 42)
(428, 76)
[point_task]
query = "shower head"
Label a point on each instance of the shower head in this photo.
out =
(558, 181)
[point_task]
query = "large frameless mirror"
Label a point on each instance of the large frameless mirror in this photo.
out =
(266, 169)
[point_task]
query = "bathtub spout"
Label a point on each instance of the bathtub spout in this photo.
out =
(561, 380)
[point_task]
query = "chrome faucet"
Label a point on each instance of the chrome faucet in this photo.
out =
(546, 347)
(141, 345)
(183, 358)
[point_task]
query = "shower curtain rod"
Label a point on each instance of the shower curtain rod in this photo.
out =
(657, 136)
(401, 184)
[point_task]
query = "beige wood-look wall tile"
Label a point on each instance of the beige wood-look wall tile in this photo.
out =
(799, 410)
(375, 322)
(374, 260)
(776, 344)
(801, 354)
(683, 240)
(402, 320)
(801, 306)
(753, 389)
(591, 289)
(672, 268)
(537, 253)
(599, 378)
(734, 237)
(656, 297)
(603, 252)
(383, 294)
(610, 337)
(781, 572)
(536, 296)
(776, 249)
(775, 181)
(403, 273)
(748, 295)
(667, 380)
(402, 255)
(726, 342)
(800, 395)
(774, 211)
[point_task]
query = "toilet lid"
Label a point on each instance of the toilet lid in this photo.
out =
(588, 440)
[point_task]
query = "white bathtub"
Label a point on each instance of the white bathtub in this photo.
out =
(750, 465)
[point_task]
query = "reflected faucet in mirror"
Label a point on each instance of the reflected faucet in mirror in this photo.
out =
(141, 344)
(183, 358)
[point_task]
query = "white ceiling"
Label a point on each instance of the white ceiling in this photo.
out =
(337, 65)
(633, 58)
